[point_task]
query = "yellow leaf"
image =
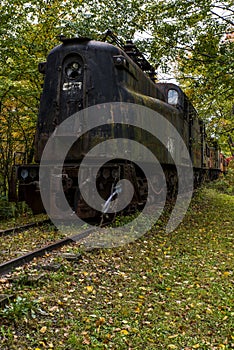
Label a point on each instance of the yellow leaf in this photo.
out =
(173, 336)
(151, 340)
(100, 321)
(172, 346)
(209, 311)
(89, 288)
(135, 330)
(196, 346)
(124, 332)
(43, 329)
(137, 310)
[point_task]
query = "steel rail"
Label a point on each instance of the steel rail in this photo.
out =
(8, 266)
(22, 228)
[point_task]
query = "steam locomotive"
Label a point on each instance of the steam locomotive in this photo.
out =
(80, 73)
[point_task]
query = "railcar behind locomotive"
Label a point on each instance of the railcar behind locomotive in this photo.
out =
(80, 73)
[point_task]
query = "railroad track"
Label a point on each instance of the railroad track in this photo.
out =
(10, 265)
(22, 228)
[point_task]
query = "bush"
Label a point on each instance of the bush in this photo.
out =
(225, 183)
(11, 210)
(7, 210)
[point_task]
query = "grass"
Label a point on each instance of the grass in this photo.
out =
(23, 219)
(160, 292)
(14, 245)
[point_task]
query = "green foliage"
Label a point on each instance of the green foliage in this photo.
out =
(29, 30)
(160, 292)
(7, 210)
(20, 307)
(225, 184)
(12, 210)
(186, 38)
(192, 41)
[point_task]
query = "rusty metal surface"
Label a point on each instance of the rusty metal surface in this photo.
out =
(81, 73)
(12, 264)
(22, 228)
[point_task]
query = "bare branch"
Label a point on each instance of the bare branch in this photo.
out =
(222, 17)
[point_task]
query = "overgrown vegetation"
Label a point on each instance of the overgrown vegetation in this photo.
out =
(159, 292)
(191, 40)
(225, 183)
(12, 210)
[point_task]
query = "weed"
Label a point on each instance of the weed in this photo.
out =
(19, 308)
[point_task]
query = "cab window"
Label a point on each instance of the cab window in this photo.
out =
(172, 97)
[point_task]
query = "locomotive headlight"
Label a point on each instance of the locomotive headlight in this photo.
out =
(32, 173)
(73, 70)
(24, 173)
(75, 65)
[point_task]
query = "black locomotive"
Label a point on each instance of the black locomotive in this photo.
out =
(81, 73)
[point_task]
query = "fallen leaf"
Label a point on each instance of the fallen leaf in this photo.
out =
(100, 321)
(89, 288)
(86, 341)
(43, 329)
(173, 336)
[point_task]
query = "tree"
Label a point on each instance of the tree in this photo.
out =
(29, 29)
(186, 38)
(194, 41)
